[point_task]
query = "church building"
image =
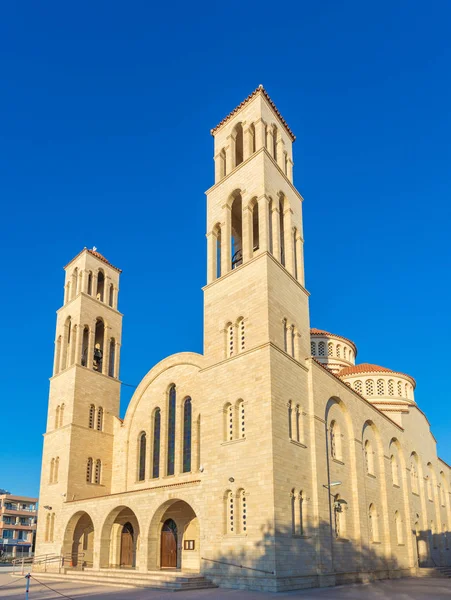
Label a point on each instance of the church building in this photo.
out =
(272, 461)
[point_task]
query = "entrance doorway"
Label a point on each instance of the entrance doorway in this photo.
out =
(169, 545)
(127, 546)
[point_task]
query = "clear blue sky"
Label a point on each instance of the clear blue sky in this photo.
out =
(106, 110)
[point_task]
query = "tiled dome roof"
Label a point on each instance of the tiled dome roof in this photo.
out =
(314, 331)
(369, 368)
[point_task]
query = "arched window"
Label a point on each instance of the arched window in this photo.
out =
(156, 443)
(369, 387)
(90, 283)
(57, 366)
(293, 511)
(98, 346)
(252, 141)
(241, 418)
(369, 457)
(358, 386)
(100, 285)
(344, 352)
(298, 423)
(89, 470)
(237, 231)
(142, 444)
(241, 333)
(285, 335)
(406, 389)
(52, 527)
(57, 466)
(413, 476)
(238, 137)
(293, 341)
(98, 472)
(92, 412)
(295, 247)
(430, 488)
(274, 142)
(222, 164)
(187, 424)
(271, 232)
(217, 251)
(62, 415)
(111, 295)
(398, 525)
(330, 349)
(171, 430)
(228, 422)
(52, 470)
(112, 350)
(391, 387)
(380, 387)
(290, 419)
(301, 513)
(84, 347)
(99, 418)
(57, 417)
(255, 228)
(47, 528)
(313, 348)
(394, 470)
(243, 510)
(230, 342)
(338, 351)
(399, 385)
(322, 349)
(282, 229)
(230, 512)
(373, 524)
(335, 441)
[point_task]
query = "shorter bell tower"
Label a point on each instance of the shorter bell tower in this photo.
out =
(84, 391)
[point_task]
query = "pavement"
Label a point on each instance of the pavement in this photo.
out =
(426, 588)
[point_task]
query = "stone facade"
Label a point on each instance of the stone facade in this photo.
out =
(262, 453)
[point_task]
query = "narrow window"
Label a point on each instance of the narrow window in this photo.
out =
(47, 528)
(61, 415)
(241, 333)
(230, 512)
(90, 283)
(255, 228)
(298, 423)
(100, 285)
(99, 418)
(338, 351)
(98, 472)
(321, 349)
(111, 295)
(301, 513)
(217, 250)
(282, 231)
(293, 341)
(57, 465)
(187, 423)
(391, 387)
(406, 391)
(333, 439)
(92, 411)
(222, 164)
(89, 470)
(380, 387)
(429, 487)
(237, 231)
(271, 233)
(285, 335)
(252, 139)
(241, 418)
(52, 470)
(112, 351)
(84, 347)
(274, 142)
(369, 387)
(295, 247)
(171, 430)
(156, 444)
(293, 511)
(52, 527)
(369, 457)
(290, 420)
(330, 349)
(229, 340)
(142, 443)
(344, 352)
(98, 346)
(57, 417)
(394, 470)
(229, 422)
(399, 385)
(313, 348)
(243, 506)
(285, 163)
(238, 134)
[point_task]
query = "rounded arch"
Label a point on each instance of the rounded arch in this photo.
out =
(119, 534)
(78, 539)
(185, 516)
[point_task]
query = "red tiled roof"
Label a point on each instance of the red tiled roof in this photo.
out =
(314, 331)
(97, 255)
(259, 90)
(369, 368)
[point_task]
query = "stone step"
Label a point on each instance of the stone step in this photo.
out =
(133, 579)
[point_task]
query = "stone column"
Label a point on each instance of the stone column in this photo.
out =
(117, 353)
(290, 170)
(263, 223)
(64, 348)
(106, 351)
(270, 141)
(106, 289)
(288, 241)
(247, 234)
(91, 340)
(246, 144)
(211, 257)
(78, 344)
(275, 216)
(281, 154)
(230, 154)
(66, 293)
(94, 285)
(260, 128)
(226, 242)
(83, 281)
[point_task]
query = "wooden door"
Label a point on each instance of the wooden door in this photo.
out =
(127, 546)
(169, 545)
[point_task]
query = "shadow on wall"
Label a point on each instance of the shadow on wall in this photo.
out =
(282, 561)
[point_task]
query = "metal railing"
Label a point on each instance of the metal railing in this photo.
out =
(45, 559)
(222, 562)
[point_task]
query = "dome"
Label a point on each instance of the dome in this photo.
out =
(322, 333)
(333, 351)
(379, 385)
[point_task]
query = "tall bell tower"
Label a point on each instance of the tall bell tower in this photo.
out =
(254, 233)
(84, 392)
